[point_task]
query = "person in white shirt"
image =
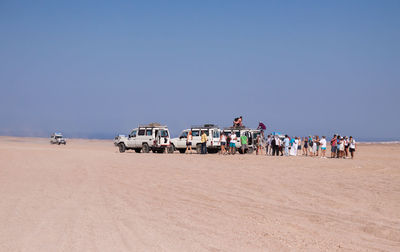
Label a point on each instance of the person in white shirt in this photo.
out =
(189, 143)
(322, 142)
(223, 143)
(232, 144)
(352, 146)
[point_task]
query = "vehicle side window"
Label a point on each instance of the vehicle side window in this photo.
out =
(195, 133)
(237, 134)
(141, 132)
(164, 133)
(149, 132)
(216, 134)
(133, 134)
(207, 132)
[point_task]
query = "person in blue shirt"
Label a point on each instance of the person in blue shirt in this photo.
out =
(286, 143)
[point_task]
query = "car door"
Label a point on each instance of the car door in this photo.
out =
(164, 137)
(150, 134)
(130, 143)
(181, 143)
(216, 137)
(196, 137)
(250, 138)
(140, 137)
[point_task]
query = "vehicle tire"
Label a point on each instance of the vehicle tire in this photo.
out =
(137, 150)
(182, 150)
(121, 147)
(240, 151)
(170, 149)
(250, 150)
(145, 148)
(198, 148)
(213, 151)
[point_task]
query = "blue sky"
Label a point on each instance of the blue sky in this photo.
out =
(99, 68)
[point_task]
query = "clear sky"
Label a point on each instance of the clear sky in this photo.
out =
(99, 68)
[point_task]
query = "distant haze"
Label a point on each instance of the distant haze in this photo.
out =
(99, 68)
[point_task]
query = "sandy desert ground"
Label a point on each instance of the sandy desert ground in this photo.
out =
(86, 196)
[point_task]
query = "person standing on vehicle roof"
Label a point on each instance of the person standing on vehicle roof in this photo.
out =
(237, 122)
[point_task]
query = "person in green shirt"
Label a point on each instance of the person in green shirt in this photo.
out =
(243, 141)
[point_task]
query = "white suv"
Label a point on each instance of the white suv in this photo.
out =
(57, 138)
(251, 138)
(145, 138)
(213, 138)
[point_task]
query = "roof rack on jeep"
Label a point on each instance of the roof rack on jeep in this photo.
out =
(152, 125)
(236, 128)
(205, 126)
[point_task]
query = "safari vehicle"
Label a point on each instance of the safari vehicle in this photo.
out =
(57, 138)
(240, 131)
(213, 138)
(145, 138)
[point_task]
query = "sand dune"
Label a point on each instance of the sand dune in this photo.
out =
(86, 196)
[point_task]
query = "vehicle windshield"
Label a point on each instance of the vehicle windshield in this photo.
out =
(184, 134)
(58, 137)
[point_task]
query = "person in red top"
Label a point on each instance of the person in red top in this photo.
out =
(333, 146)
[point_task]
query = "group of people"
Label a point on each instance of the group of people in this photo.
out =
(341, 147)
(275, 145)
(189, 140)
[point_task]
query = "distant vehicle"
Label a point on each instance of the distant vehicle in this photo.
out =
(213, 138)
(145, 138)
(240, 131)
(57, 138)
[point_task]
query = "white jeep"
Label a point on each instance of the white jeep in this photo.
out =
(57, 138)
(145, 138)
(213, 138)
(240, 131)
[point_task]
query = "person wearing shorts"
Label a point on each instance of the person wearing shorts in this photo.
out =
(223, 143)
(243, 142)
(322, 142)
(352, 146)
(189, 143)
(333, 146)
(305, 148)
(232, 144)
